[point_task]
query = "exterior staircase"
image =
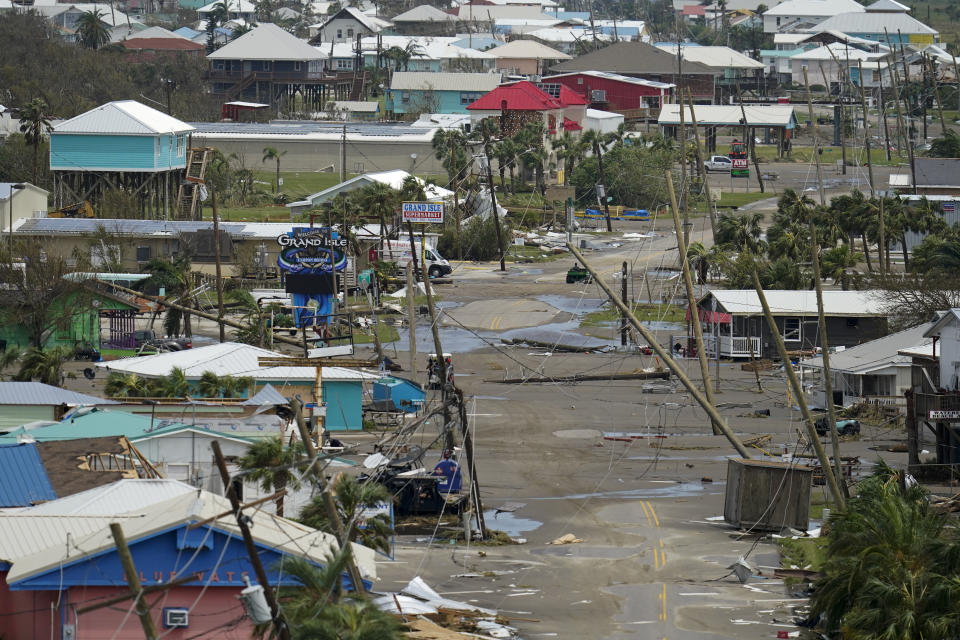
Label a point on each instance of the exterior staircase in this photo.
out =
(188, 195)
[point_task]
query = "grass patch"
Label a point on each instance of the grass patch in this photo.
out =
(728, 199)
(855, 152)
(529, 254)
(385, 332)
(123, 353)
(644, 313)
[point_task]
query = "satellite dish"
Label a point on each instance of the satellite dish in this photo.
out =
(89, 373)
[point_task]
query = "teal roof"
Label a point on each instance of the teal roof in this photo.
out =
(97, 424)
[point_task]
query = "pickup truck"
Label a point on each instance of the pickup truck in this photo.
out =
(718, 163)
(146, 339)
(844, 427)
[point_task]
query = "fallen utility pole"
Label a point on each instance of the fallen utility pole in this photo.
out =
(798, 392)
(664, 356)
(825, 347)
(338, 529)
(196, 312)
(692, 303)
(411, 320)
(569, 348)
(279, 623)
(133, 581)
(638, 375)
(471, 463)
(448, 443)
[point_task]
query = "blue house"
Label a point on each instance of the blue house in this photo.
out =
(123, 136)
(415, 92)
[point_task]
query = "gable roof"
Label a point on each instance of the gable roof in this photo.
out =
(888, 5)
(838, 50)
(68, 468)
(394, 179)
(227, 358)
(37, 393)
(570, 97)
(631, 58)
(123, 117)
(875, 22)
(23, 478)
(486, 13)
(528, 49)
(236, 6)
(424, 13)
(800, 303)
(95, 424)
(440, 81)
(876, 354)
(720, 57)
(267, 42)
(158, 32)
(138, 43)
(946, 318)
(615, 77)
(731, 115)
(519, 96)
(814, 8)
(937, 172)
(374, 25)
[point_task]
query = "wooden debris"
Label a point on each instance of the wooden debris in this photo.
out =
(757, 365)
(635, 375)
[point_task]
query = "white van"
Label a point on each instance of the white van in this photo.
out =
(399, 251)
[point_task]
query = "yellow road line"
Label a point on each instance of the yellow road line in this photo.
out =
(664, 602)
(646, 513)
(654, 513)
(656, 559)
(663, 555)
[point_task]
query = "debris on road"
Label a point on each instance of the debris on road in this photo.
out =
(568, 538)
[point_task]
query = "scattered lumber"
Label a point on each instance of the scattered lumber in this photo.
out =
(636, 375)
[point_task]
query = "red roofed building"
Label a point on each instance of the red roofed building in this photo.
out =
(634, 98)
(149, 48)
(516, 104)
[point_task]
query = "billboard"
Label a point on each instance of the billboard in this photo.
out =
(311, 251)
(423, 212)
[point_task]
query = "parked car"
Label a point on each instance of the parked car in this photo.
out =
(718, 163)
(844, 427)
(146, 340)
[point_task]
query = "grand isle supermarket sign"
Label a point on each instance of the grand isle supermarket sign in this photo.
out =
(945, 415)
(425, 212)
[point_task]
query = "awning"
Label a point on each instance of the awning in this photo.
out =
(571, 125)
(711, 317)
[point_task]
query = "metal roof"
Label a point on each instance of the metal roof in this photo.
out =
(731, 115)
(358, 106)
(316, 130)
(839, 51)
(424, 13)
(800, 303)
(266, 396)
(876, 354)
(23, 478)
(120, 227)
(188, 505)
(723, 57)
(875, 23)
(937, 172)
(22, 536)
(616, 77)
(158, 32)
(424, 80)
(632, 58)
(123, 117)
(267, 42)
(37, 393)
(123, 496)
(228, 358)
(96, 424)
(814, 8)
(528, 49)
(888, 5)
(236, 6)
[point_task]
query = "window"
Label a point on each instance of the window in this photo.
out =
(349, 33)
(579, 80)
(778, 22)
(345, 64)
(266, 65)
(405, 97)
(469, 97)
(791, 329)
(339, 34)
(143, 254)
(181, 144)
(296, 65)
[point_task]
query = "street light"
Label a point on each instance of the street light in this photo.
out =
(13, 187)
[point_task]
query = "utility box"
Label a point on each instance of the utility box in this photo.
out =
(767, 496)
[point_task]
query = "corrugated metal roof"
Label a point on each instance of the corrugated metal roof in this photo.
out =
(96, 424)
(875, 23)
(632, 58)
(814, 8)
(730, 115)
(191, 505)
(876, 354)
(123, 496)
(424, 13)
(888, 5)
(839, 51)
(423, 80)
(364, 106)
(23, 478)
(267, 42)
(801, 303)
(123, 117)
(37, 393)
(21, 536)
(723, 57)
(227, 358)
(937, 172)
(518, 96)
(530, 49)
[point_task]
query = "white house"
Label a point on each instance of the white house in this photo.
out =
(20, 200)
(794, 15)
(834, 62)
(945, 334)
(239, 10)
(345, 25)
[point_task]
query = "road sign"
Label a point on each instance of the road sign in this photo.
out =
(424, 212)
(740, 163)
(945, 415)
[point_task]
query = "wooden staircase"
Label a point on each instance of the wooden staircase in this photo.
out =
(188, 195)
(359, 83)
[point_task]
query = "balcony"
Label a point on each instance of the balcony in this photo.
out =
(732, 346)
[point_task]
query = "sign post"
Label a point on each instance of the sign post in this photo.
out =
(423, 212)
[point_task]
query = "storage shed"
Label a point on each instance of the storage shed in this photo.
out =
(767, 496)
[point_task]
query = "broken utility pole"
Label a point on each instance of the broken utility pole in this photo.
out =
(133, 581)
(664, 356)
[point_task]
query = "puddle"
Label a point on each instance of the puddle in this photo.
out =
(663, 273)
(489, 397)
(680, 490)
(557, 332)
(448, 304)
(454, 340)
(653, 325)
(580, 551)
(509, 523)
(572, 304)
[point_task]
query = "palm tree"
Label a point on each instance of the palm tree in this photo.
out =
(740, 231)
(175, 384)
(9, 357)
(46, 366)
(271, 153)
(380, 200)
(235, 386)
(92, 31)
(534, 154)
(174, 276)
(253, 316)
(698, 257)
(835, 262)
(571, 150)
(597, 141)
(271, 464)
(120, 385)
(34, 125)
(450, 148)
(351, 498)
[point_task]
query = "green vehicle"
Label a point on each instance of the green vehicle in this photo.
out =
(578, 274)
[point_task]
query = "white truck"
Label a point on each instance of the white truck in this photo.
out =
(718, 163)
(399, 251)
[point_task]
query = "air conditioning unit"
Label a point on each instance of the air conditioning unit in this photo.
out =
(176, 617)
(598, 95)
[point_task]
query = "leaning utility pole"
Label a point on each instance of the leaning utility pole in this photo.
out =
(700, 167)
(692, 303)
(133, 581)
(279, 623)
(411, 319)
(816, 139)
(801, 399)
(866, 130)
(488, 152)
(441, 361)
(216, 248)
(749, 141)
(825, 349)
(664, 356)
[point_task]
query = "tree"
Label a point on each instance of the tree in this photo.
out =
(9, 357)
(570, 149)
(210, 385)
(271, 153)
(216, 18)
(125, 385)
(92, 31)
(46, 366)
(891, 567)
(271, 464)
(534, 155)
(351, 497)
(254, 317)
(380, 200)
(35, 126)
(35, 293)
(740, 231)
(946, 147)
(175, 384)
(698, 258)
(835, 262)
(174, 276)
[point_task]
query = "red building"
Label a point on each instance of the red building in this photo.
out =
(632, 97)
(150, 48)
